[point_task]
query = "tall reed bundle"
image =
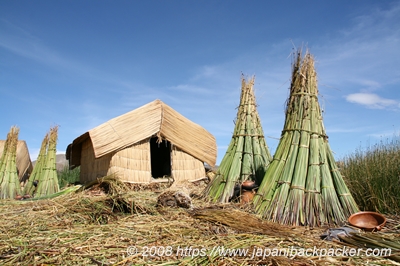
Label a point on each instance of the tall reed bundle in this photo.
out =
(43, 180)
(303, 186)
(36, 174)
(9, 181)
(48, 181)
(23, 160)
(247, 156)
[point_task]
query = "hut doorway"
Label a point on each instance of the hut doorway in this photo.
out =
(160, 155)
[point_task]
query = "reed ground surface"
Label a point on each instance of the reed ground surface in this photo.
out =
(119, 226)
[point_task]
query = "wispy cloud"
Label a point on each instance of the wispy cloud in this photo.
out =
(349, 129)
(387, 134)
(189, 88)
(371, 100)
(223, 147)
(19, 41)
(34, 153)
(363, 54)
(207, 71)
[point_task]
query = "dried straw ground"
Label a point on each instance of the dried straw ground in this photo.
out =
(96, 226)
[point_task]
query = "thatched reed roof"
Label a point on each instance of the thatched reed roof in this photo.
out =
(247, 156)
(303, 185)
(153, 119)
(23, 160)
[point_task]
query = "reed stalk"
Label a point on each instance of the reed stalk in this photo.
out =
(373, 175)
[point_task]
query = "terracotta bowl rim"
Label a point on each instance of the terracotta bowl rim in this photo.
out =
(367, 212)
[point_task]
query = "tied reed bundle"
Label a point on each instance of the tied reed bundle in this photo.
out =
(48, 182)
(303, 186)
(43, 180)
(32, 182)
(9, 181)
(247, 156)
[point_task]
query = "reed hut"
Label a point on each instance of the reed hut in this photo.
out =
(23, 159)
(148, 143)
(303, 185)
(247, 156)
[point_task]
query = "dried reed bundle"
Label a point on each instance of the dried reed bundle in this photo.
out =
(303, 186)
(23, 160)
(9, 182)
(37, 171)
(241, 221)
(247, 156)
(376, 240)
(48, 181)
(110, 184)
(65, 191)
(116, 196)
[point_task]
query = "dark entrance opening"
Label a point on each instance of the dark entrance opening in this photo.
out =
(160, 154)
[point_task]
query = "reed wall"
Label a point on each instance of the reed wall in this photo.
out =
(185, 167)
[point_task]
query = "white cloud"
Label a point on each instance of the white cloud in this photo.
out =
(207, 72)
(189, 88)
(349, 129)
(370, 84)
(371, 100)
(362, 54)
(34, 153)
(387, 134)
(22, 43)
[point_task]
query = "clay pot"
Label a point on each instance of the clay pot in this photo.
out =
(368, 221)
(249, 185)
(19, 197)
(247, 196)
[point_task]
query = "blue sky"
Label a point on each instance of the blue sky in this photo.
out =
(77, 64)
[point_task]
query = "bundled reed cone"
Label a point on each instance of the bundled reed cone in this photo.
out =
(247, 156)
(31, 184)
(9, 181)
(43, 180)
(303, 185)
(48, 181)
